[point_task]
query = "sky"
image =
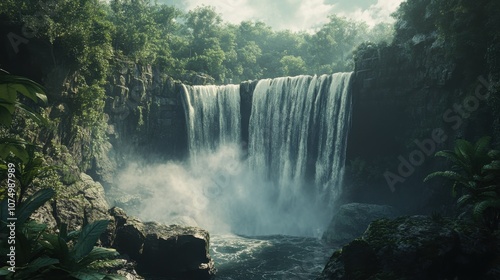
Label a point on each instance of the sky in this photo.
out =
(295, 15)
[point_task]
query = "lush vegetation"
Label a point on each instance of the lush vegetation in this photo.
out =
(88, 33)
(30, 248)
(476, 176)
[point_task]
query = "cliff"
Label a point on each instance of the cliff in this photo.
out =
(406, 107)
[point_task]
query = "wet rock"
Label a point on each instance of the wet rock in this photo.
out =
(176, 251)
(160, 250)
(352, 219)
(417, 247)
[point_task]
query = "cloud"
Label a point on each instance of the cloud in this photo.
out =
(295, 15)
(375, 13)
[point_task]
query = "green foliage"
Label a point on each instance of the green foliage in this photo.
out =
(12, 89)
(459, 32)
(292, 65)
(88, 33)
(15, 150)
(41, 254)
(476, 169)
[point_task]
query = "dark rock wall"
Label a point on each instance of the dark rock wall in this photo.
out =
(246, 95)
(145, 111)
(400, 102)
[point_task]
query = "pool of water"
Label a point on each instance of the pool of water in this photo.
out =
(273, 257)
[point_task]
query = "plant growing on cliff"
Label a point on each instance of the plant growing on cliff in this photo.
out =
(39, 254)
(476, 169)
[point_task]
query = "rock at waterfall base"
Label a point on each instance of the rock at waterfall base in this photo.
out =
(418, 247)
(352, 219)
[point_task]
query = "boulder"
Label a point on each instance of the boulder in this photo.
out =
(84, 199)
(352, 219)
(417, 247)
(176, 250)
(129, 234)
(163, 251)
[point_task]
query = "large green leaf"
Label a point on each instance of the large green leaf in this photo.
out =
(482, 145)
(464, 199)
(7, 93)
(10, 87)
(98, 253)
(16, 146)
(88, 238)
(465, 151)
(35, 265)
(28, 88)
(33, 227)
(452, 175)
(19, 151)
(493, 166)
(453, 157)
(494, 154)
(31, 204)
(39, 119)
(58, 247)
(5, 116)
(480, 207)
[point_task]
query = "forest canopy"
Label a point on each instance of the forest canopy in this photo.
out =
(88, 33)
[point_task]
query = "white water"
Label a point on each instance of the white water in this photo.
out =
(297, 133)
(298, 130)
(275, 257)
(212, 116)
(284, 183)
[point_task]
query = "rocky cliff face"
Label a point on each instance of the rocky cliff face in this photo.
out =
(405, 108)
(145, 119)
(145, 111)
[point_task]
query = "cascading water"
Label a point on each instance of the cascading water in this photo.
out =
(297, 131)
(213, 117)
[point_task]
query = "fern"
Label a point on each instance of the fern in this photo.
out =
(477, 170)
(452, 175)
(481, 207)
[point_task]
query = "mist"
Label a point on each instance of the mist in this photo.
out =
(218, 192)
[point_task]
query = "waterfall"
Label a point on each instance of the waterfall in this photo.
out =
(290, 173)
(298, 131)
(212, 116)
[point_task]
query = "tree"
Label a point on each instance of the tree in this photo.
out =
(206, 54)
(134, 24)
(292, 65)
(248, 57)
(333, 44)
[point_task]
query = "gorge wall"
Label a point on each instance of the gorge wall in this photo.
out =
(405, 108)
